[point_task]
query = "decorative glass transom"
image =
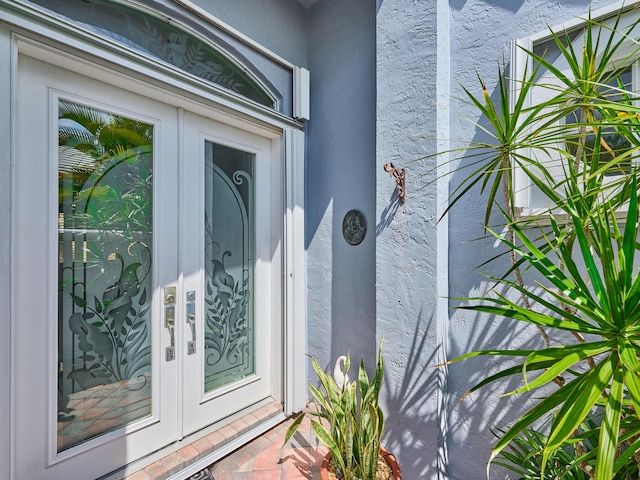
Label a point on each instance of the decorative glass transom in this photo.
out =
(162, 40)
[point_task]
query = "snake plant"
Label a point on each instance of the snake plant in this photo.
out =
(348, 419)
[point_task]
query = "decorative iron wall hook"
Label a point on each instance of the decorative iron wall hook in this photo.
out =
(399, 175)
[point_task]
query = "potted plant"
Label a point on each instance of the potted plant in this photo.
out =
(585, 296)
(350, 422)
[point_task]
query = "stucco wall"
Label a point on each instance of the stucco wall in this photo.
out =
(406, 263)
(474, 51)
(340, 171)
(424, 51)
(279, 25)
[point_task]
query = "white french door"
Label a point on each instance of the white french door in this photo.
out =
(231, 248)
(147, 259)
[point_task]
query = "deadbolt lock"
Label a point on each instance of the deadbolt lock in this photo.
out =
(169, 295)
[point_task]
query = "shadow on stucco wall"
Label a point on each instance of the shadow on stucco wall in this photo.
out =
(340, 176)
(471, 419)
(389, 212)
(409, 402)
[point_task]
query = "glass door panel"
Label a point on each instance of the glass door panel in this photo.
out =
(105, 187)
(229, 265)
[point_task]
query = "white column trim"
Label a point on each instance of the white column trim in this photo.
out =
(295, 275)
(301, 93)
(7, 76)
(443, 127)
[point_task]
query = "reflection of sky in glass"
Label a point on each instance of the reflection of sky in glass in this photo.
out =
(71, 159)
(68, 123)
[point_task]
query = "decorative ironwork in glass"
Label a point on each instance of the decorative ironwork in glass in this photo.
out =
(229, 265)
(105, 166)
(160, 39)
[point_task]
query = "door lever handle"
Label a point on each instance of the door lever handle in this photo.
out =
(170, 321)
(191, 321)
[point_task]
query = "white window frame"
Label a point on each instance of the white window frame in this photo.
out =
(521, 63)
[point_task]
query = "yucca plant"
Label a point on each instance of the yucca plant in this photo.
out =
(606, 307)
(349, 420)
(524, 455)
(584, 248)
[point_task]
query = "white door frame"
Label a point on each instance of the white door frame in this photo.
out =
(26, 29)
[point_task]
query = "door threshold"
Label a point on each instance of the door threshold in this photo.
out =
(199, 450)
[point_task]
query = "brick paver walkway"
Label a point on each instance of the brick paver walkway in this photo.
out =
(265, 458)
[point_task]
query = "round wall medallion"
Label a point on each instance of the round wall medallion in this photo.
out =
(354, 227)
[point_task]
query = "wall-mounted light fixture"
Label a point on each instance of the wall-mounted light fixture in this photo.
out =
(399, 175)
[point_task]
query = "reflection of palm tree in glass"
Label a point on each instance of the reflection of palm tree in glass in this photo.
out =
(105, 167)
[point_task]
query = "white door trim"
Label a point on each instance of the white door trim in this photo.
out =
(264, 253)
(35, 253)
(7, 75)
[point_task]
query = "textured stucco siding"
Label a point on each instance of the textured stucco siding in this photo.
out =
(406, 263)
(425, 50)
(341, 164)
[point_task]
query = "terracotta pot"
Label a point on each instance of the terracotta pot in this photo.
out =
(388, 456)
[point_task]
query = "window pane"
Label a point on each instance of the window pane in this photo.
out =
(614, 135)
(160, 39)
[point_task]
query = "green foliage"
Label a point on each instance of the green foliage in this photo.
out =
(105, 165)
(349, 420)
(110, 184)
(523, 456)
(607, 308)
(584, 250)
(573, 461)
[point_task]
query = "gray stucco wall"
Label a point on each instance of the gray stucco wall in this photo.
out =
(279, 25)
(406, 255)
(340, 172)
